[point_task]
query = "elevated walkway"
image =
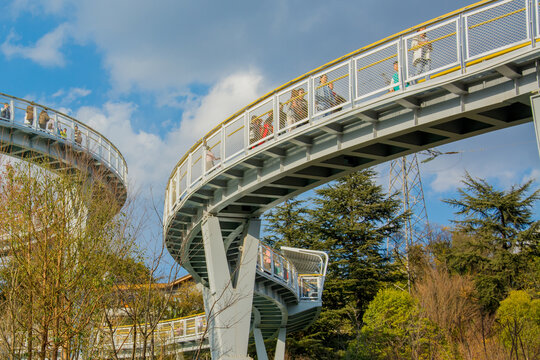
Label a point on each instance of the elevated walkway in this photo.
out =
(62, 142)
(479, 66)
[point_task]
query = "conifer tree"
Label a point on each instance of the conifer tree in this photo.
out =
(350, 219)
(496, 237)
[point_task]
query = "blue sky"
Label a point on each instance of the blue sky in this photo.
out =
(154, 76)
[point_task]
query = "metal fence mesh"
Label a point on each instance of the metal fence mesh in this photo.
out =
(293, 107)
(432, 49)
(375, 70)
(261, 122)
(212, 152)
(497, 27)
(234, 137)
(196, 164)
(182, 180)
(331, 89)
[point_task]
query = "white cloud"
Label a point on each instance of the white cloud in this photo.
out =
(151, 158)
(496, 157)
(37, 7)
(46, 51)
(534, 175)
(71, 95)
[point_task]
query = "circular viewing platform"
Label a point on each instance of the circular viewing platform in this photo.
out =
(30, 131)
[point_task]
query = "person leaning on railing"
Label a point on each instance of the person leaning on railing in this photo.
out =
(324, 98)
(29, 116)
(300, 107)
(6, 113)
(421, 48)
(395, 77)
(43, 119)
(77, 135)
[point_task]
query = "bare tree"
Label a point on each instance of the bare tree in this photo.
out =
(59, 232)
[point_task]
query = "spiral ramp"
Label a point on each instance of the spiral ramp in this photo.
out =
(480, 66)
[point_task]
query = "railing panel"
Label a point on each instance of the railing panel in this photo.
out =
(332, 89)
(93, 143)
(376, 72)
(197, 164)
(261, 123)
(191, 328)
(212, 148)
(172, 188)
(182, 181)
(432, 49)
(310, 287)
(293, 105)
(497, 27)
(234, 138)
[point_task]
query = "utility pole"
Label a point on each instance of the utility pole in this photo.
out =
(405, 179)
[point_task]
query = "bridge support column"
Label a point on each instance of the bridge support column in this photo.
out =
(535, 105)
(259, 344)
(229, 297)
(280, 345)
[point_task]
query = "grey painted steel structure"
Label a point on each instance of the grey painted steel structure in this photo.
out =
(484, 64)
(56, 147)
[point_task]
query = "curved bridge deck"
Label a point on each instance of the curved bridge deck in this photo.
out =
(483, 69)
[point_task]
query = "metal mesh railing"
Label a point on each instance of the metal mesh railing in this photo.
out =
(190, 328)
(274, 265)
(35, 117)
(445, 46)
(261, 123)
(376, 71)
(293, 107)
(496, 27)
(331, 89)
(234, 138)
(432, 49)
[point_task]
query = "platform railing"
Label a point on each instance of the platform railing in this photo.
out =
(445, 46)
(311, 286)
(61, 127)
(167, 332)
(273, 265)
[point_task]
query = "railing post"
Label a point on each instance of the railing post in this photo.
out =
(401, 59)
(12, 112)
(188, 172)
(222, 145)
(530, 19)
(275, 112)
(352, 82)
(311, 100)
(247, 125)
(36, 120)
(461, 42)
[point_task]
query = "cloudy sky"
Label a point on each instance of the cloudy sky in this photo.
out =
(154, 76)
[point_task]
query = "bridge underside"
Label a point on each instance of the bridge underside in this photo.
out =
(59, 155)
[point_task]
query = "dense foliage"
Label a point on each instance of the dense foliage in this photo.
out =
(475, 288)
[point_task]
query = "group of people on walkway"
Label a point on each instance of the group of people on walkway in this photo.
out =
(44, 122)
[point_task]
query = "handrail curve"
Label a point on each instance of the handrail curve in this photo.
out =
(327, 65)
(462, 40)
(63, 127)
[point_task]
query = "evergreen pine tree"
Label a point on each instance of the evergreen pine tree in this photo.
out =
(351, 219)
(496, 238)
